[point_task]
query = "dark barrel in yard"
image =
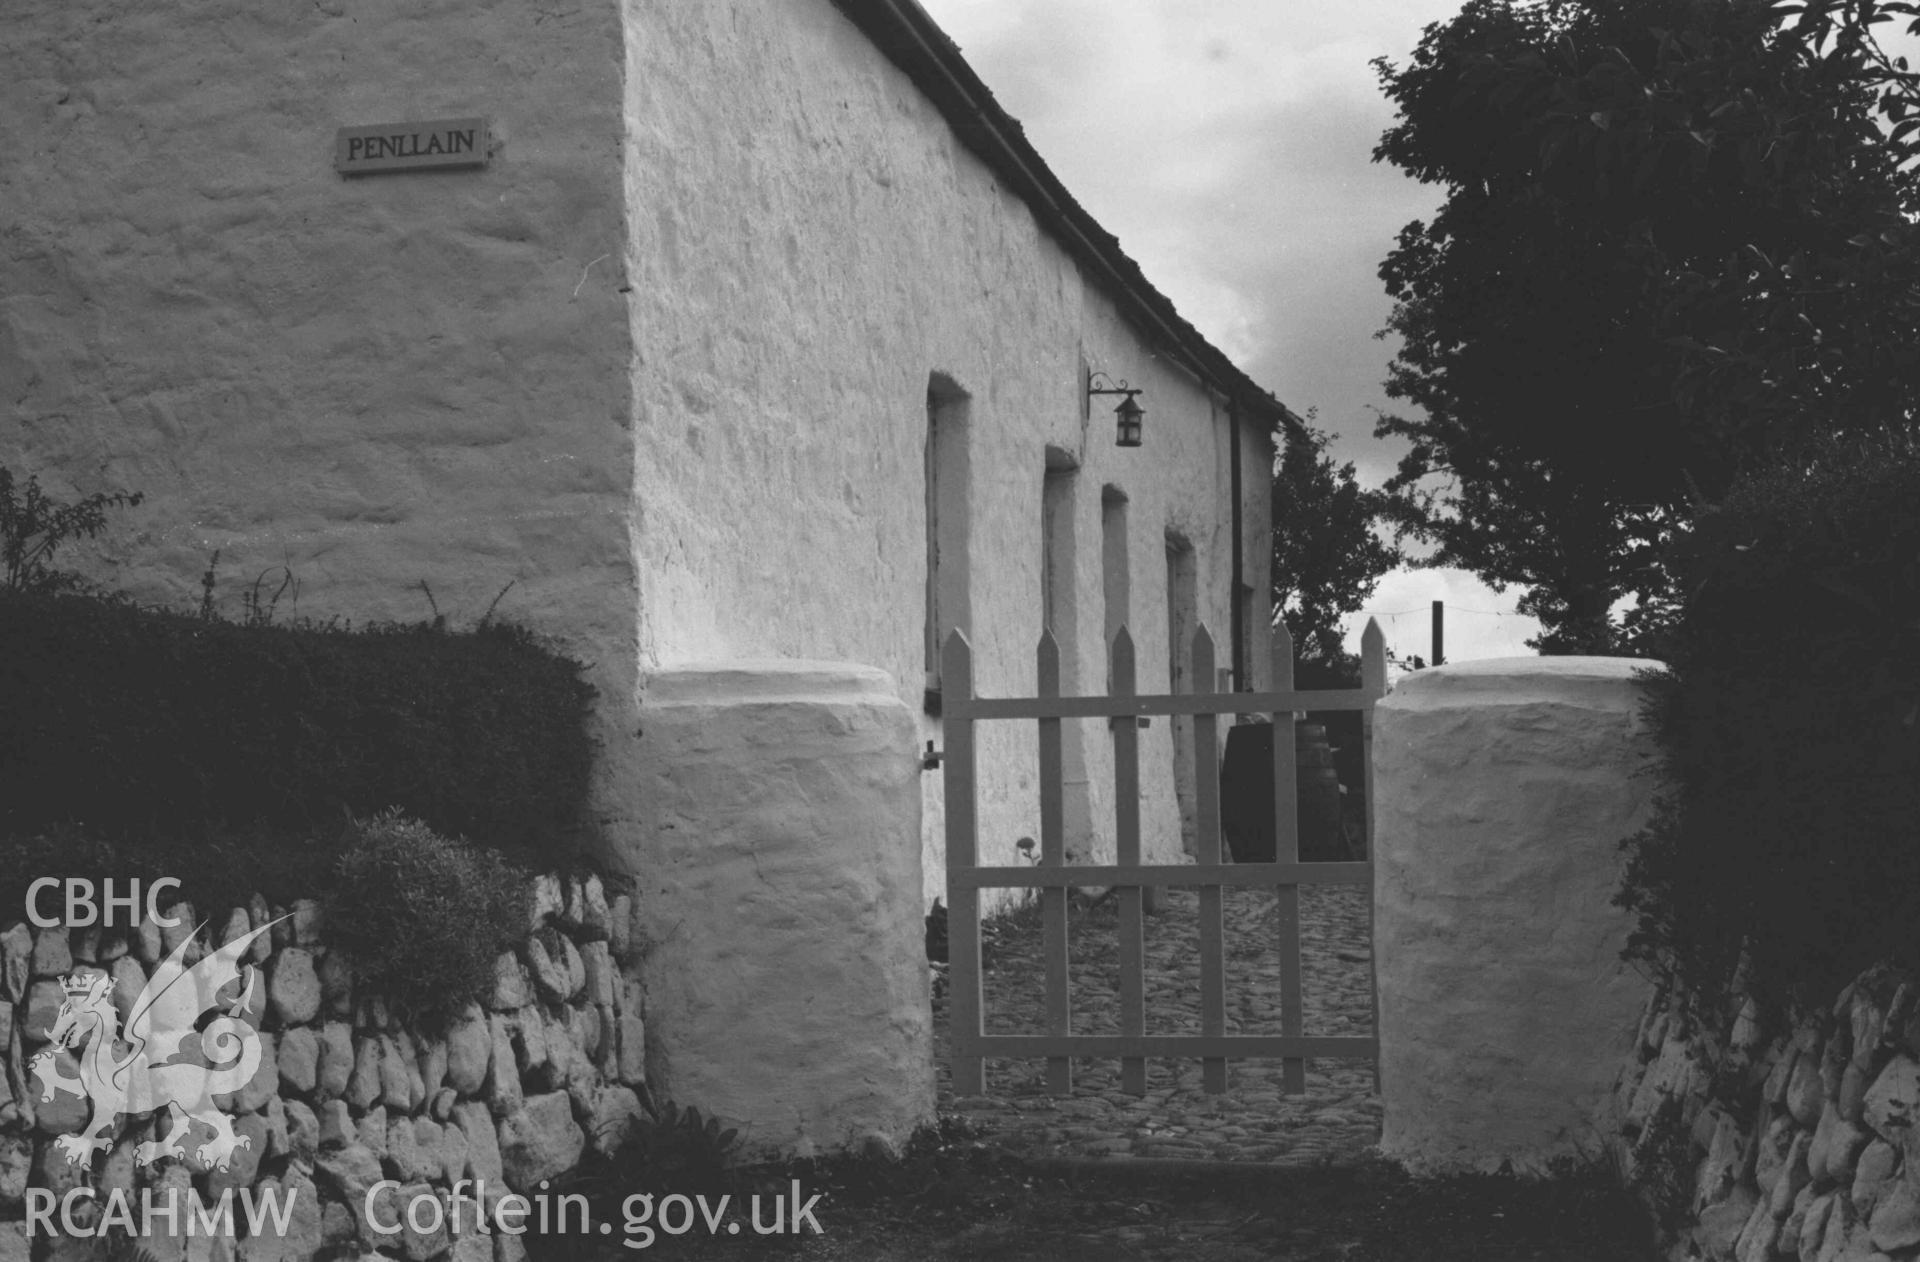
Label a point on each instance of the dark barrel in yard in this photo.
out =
(1246, 794)
(1321, 826)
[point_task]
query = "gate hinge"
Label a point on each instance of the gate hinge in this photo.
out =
(930, 761)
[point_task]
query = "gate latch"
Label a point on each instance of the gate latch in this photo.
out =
(930, 761)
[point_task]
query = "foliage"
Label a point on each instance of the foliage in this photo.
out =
(1326, 557)
(117, 1244)
(678, 1150)
(1789, 715)
(668, 1150)
(423, 917)
(1674, 241)
(1664, 1160)
(140, 723)
(1850, 31)
(33, 526)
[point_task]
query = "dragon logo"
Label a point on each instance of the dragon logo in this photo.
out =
(172, 1062)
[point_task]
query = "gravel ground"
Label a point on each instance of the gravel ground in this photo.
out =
(1337, 1120)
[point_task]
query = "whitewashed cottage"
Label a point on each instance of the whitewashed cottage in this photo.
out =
(731, 332)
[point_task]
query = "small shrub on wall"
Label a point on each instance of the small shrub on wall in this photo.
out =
(424, 916)
(134, 722)
(1789, 834)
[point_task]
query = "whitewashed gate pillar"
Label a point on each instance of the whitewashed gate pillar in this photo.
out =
(1504, 789)
(778, 878)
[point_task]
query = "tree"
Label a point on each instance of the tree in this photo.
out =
(1676, 239)
(1327, 558)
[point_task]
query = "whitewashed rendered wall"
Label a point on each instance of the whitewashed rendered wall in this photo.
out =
(785, 967)
(809, 242)
(1503, 791)
(427, 377)
(374, 382)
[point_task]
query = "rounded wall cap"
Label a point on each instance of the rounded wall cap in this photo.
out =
(765, 680)
(1596, 682)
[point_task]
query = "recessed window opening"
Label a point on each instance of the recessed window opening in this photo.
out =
(1183, 619)
(1060, 613)
(1116, 586)
(949, 593)
(1059, 550)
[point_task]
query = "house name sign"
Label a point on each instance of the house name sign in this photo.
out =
(384, 147)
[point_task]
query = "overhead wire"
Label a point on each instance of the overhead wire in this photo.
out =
(1392, 614)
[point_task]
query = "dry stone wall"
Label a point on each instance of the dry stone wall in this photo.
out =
(513, 1093)
(1797, 1145)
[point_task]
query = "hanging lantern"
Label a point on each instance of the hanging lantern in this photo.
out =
(1128, 416)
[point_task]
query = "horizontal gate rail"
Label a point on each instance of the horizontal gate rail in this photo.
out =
(1231, 1046)
(1238, 875)
(1148, 705)
(1129, 878)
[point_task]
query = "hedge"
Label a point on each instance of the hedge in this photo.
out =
(128, 722)
(1789, 832)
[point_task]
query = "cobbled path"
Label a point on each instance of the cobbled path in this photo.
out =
(1337, 1119)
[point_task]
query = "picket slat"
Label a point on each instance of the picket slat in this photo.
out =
(1373, 681)
(1126, 846)
(1053, 900)
(1286, 837)
(964, 981)
(1213, 938)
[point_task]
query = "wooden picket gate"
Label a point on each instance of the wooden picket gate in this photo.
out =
(1210, 872)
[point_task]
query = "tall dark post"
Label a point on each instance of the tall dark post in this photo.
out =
(1439, 633)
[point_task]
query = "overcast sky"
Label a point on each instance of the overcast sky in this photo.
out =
(1228, 144)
